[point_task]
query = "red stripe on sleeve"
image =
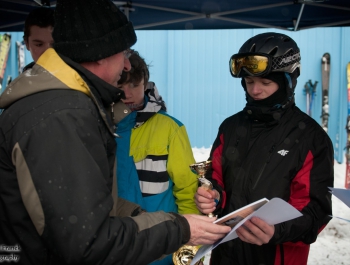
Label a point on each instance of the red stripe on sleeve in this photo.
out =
(300, 187)
(217, 168)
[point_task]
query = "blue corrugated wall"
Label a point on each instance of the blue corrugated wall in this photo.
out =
(190, 69)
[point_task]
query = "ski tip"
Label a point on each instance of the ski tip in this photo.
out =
(326, 57)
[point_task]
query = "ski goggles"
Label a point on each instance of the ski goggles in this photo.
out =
(260, 64)
(248, 64)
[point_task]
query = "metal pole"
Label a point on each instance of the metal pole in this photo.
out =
(298, 20)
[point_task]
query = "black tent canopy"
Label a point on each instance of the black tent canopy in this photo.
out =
(206, 14)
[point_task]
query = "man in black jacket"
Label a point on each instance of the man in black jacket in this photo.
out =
(58, 193)
(270, 149)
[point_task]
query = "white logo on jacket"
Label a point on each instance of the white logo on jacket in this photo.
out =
(283, 152)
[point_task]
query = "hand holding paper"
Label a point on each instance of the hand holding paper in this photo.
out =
(203, 230)
(255, 231)
(272, 212)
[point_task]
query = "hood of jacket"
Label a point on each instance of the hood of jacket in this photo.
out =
(153, 104)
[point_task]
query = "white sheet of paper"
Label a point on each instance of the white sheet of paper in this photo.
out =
(273, 212)
(341, 194)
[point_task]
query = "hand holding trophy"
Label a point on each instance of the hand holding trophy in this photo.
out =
(200, 169)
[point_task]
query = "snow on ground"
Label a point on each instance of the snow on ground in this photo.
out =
(333, 243)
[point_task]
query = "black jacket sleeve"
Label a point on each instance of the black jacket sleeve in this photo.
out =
(310, 193)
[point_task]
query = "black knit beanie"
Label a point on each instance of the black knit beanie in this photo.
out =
(90, 30)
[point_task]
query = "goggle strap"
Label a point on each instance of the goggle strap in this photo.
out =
(289, 79)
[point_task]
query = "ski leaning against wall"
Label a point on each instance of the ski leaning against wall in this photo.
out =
(325, 71)
(347, 148)
(310, 91)
(5, 43)
(21, 56)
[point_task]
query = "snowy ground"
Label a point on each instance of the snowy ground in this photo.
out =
(333, 243)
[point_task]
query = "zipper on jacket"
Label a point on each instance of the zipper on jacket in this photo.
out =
(263, 167)
(114, 127)
(112, 114)
(235, 146)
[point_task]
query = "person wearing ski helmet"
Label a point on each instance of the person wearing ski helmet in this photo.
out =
(269, 149)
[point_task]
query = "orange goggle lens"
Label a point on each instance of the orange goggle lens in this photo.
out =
(254, 64)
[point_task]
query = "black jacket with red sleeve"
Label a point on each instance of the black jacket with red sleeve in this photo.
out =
(290, 157)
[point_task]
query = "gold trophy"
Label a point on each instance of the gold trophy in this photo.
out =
(200, 169)
(185, 254)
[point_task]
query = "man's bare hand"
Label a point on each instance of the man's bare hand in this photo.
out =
(204, 200)
(203, 231)
(256, 231)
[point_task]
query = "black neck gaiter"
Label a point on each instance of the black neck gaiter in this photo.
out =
(271, 108)
(276, 99)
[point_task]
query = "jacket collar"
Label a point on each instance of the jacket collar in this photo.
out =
(106, 93)
(267, 115)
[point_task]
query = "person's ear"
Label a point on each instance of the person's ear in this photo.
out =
(101, 62)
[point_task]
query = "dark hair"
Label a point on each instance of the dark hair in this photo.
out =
(42, 17)
(139, 70)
